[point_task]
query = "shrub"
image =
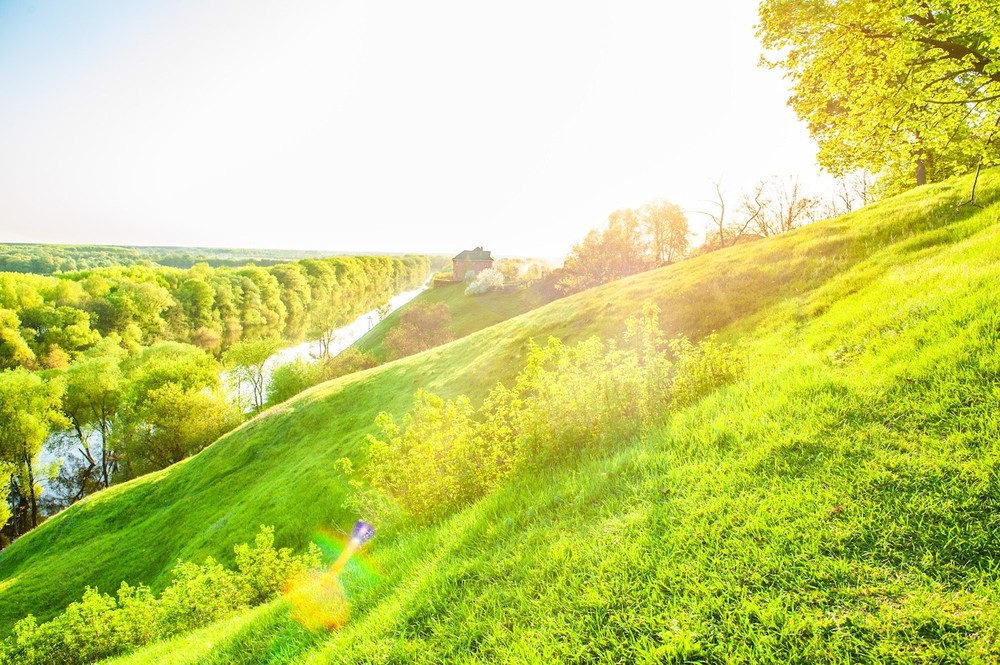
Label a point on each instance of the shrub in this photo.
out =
(290, 379)
(444, 454)
(487, 280)
(264, 569)
(99, 626)
(703, 367)
(423, 464)
(348, 361)
(421, 327)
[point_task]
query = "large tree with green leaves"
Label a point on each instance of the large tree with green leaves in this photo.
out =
(29, 409)
(909, 88)
(94, 388)
(171, 407)
(245, 362)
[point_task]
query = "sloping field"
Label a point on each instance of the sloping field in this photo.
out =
(840, 503)
(468, 313)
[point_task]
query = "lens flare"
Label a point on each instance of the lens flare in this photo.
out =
(317, 597)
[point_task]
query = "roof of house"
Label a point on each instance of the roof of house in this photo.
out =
(477, 254)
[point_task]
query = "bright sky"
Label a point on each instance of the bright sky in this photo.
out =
(428, 126)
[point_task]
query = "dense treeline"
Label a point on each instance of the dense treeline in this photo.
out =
(634, 240)
(43, 259)
(125, 362)
(46, 322)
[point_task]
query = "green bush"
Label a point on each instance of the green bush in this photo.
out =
(99, 626)
(444, 454)
(290, 379)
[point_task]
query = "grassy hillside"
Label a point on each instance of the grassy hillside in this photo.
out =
(468, 313)
(840, 503)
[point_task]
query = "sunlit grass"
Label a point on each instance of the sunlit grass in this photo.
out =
(839, 504)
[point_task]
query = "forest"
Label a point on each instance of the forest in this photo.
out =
(122, 364)
(48, 259)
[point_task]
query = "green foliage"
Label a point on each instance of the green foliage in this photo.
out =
(245, 362)
(425, 464)
(568, 399)
(50, 321)
(99, 625)
(29, 409)
(837, 504)
(700, 369)
(633, 241)
(911, 86)
(172, 407)
(288, 380)
(421, 327)
(348, 361)
(265, 569)
(95, 388)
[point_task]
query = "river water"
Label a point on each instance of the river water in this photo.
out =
(343, 336)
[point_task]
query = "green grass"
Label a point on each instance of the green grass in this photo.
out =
(841, 503)
(469, 314)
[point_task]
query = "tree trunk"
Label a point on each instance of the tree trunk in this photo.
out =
(31, 492)
(921, 172)
(104, 455)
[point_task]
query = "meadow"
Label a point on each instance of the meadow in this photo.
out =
(839, 502)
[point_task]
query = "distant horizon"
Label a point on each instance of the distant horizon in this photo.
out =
(324, 252)
(392, 124)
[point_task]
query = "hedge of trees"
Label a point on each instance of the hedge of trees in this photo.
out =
(46, 259)
(124, 363)
(49, 321)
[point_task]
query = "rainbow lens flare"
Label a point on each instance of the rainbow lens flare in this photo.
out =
(318, 601)
(317, 597)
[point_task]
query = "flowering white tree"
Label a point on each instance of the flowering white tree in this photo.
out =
(490, 279)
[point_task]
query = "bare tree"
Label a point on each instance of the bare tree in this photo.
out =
(755, 208)
(718, 217)
(791, 208)
(864, 185)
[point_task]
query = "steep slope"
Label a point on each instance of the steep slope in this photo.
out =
(839, 504)
(806, 299)
(469, 314)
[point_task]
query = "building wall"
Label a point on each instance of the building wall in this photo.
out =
(459, 268)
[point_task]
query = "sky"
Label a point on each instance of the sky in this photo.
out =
(392, 126)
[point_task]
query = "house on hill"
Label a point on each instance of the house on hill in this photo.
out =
(470, 260)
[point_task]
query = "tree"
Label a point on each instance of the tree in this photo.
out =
(94, 386)
(172, 423)
(29, 409)
(487, 280)
(383, 310)
(909, 88)
(667, 228)
(245, 362)
(510, 268)
(14, 351)
(421, 327)
(772, 206)
(288, 380)
(172, 407)
(787, 207)
(604, 256)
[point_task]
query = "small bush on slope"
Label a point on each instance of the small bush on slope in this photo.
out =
(446, 454)
(99, 625)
